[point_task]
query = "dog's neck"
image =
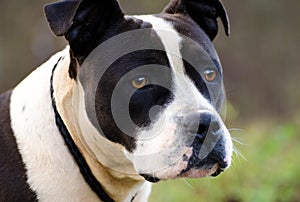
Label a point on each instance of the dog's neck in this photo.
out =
(106, 167)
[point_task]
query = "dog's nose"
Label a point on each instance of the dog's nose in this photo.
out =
(200, 124)
(208, 144)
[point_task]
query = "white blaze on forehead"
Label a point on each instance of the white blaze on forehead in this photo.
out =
(184, 89)
(170, 39)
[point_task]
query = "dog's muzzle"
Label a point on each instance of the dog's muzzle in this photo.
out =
(208, 146)
(200, 147)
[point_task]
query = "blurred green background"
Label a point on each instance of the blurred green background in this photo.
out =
(262, 73)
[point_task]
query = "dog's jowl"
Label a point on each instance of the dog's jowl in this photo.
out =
(132, 100)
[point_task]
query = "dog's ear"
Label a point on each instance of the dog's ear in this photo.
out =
(82, 21)
(60, 15)
(203, 12)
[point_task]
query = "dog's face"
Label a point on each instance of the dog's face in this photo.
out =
(161, 98)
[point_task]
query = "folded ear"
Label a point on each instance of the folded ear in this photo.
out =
(203, 12)
(60, 15)
(82, 21)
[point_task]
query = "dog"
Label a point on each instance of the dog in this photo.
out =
(107, 116)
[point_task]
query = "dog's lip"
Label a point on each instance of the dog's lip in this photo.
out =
(150, 178)
(218, 172)
(194, 172)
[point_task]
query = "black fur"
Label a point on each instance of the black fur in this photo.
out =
(83, 22)
(13, 179)
(141, 101)
(87, 23)
(60, 15)
(204, 12)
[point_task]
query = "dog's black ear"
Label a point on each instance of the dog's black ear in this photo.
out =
(82, 21)
(60, 15)
(203, 12)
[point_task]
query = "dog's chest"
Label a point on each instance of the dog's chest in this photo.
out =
(49, 168)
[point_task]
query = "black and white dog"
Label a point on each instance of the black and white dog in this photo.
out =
(131, 100)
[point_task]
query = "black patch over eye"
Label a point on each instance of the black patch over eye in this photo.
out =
(197, 79)
(209, 84)
(137, 77)
(145, 100)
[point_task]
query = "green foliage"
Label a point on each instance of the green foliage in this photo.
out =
(269, 173)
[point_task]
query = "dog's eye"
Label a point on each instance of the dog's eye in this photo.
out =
(139, 82)
(210, 75)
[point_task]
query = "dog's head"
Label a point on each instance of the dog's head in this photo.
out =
(151, 85)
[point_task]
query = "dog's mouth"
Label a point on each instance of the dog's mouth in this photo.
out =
(212, 165)
(212, 171)
(196, 172)
(150, 178)
(192, 167)
(196, 162)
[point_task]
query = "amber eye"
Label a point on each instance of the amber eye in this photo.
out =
(210, 75)
(139, 82)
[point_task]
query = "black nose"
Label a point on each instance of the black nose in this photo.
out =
(206, 132)
(201, 124)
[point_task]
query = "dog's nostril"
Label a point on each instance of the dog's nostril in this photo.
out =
(204, 123)
(200, 124)
(200, 136)
(208, 123)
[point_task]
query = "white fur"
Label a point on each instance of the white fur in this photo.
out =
(170, 39)
(145, 192)
(51, 171)
(110, 154)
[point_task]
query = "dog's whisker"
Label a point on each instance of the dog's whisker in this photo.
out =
(233, 162)
(235, 129)
(232, 91)
(187, 183)
(238, 154)
(237, 140)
